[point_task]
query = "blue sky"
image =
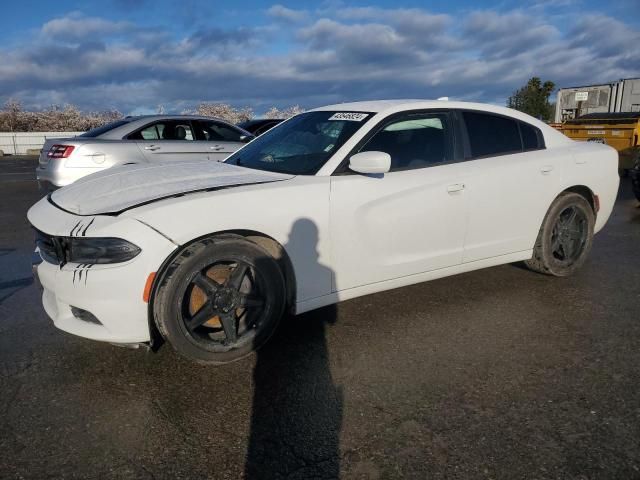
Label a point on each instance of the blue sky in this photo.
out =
(133, 55)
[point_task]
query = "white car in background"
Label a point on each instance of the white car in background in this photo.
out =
(335, 203)
(141, 139)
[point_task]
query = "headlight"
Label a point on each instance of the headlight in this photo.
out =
(100, 250)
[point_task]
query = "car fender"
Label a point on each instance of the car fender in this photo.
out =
(294, 213)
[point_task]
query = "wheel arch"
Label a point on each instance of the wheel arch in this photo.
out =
(272, 246)
(585, 192)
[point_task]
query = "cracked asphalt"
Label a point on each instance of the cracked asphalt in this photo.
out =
(500, 373)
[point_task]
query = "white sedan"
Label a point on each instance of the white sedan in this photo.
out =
(335, 203)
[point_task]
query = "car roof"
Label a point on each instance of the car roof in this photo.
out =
(388, 107)
(133, 122)
(151, 118)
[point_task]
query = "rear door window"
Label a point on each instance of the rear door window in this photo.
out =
(213, 131)
(492, 134)
(165, 130)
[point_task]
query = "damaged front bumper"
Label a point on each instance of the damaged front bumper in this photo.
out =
(98, 301)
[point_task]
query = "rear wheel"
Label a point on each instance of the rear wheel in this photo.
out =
(635, 180)
(220, 299)
(565, 237)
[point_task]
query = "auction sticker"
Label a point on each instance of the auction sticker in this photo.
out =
(351, 116)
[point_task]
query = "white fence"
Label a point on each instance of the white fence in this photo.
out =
(17, 143)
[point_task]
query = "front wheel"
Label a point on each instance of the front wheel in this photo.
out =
(565, 237)
(220, 299)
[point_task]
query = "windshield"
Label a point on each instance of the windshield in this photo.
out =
(103, 129)
(301, 145)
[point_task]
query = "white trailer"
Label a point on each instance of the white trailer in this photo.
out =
(620, 96)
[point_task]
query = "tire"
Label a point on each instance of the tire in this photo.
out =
(213, 288)
(565, 237)
(635, 181)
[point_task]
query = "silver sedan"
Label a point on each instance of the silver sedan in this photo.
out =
(141, 139)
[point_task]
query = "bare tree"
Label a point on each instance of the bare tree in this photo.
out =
(12, 114)
(55, 118)
(225, 112)
(274, 112)
(58, 118)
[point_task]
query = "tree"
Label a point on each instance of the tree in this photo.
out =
(54, 119)
(13, 113)
(273, 112)
(533, 99)
(225, 112)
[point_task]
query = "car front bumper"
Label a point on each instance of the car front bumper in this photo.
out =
(99, 301)
(96, 304)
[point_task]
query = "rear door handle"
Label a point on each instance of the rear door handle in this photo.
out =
(456, 187)
(153, 148)
(546, 169)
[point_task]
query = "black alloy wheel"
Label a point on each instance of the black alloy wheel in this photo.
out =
(223, 305)
(565, 237)
(219, 299)
(569, 236)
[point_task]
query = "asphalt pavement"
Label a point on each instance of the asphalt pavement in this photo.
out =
(500, 373)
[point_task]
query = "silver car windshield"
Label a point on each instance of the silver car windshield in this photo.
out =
(301, 145)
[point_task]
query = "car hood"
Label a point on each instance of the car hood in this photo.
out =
(120, 188)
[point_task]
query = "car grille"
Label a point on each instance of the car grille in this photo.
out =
(52, 249)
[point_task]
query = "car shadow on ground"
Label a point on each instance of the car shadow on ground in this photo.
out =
(297, 408)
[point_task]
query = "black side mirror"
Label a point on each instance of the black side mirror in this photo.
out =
(246, 138)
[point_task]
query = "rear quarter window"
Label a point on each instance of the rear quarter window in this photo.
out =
(95, 132)
(531, 137)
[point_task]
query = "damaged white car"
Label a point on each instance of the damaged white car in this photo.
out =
(335, 203)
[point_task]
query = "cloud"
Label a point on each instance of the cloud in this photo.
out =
(604, 35)
(312, 58)
(207, 40)
(373, 43)
(289, 15)
(77, 26)
(506, 34)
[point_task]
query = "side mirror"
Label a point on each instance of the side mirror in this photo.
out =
(370, 162)
(246, 138)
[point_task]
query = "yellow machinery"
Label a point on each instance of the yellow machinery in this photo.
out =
(619, 130)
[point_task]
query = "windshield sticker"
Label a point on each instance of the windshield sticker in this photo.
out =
(350, 116)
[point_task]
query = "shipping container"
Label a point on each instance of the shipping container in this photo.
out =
(620, 96)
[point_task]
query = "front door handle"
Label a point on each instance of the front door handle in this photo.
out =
(546, 170)
(217, 148)
(456, 187)
(153, 148)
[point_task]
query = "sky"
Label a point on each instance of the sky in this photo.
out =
(134, 55)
